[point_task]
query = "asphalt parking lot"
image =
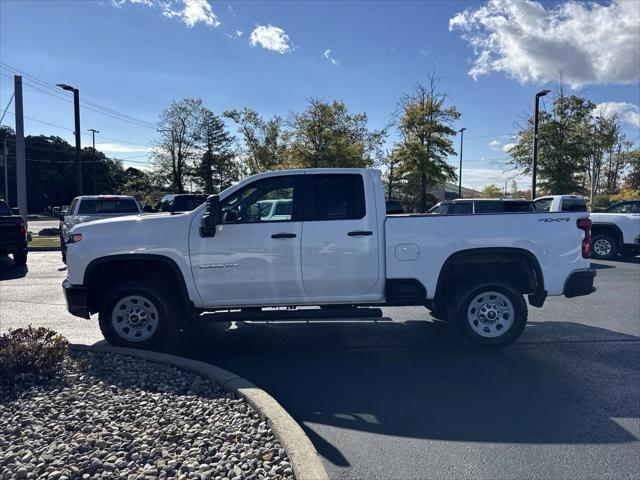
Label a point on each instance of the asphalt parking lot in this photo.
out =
(399, 397)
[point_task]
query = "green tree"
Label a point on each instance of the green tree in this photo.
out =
(217, 167)
(632, 179)
(425, 123)
(262, 139)
(325, 134)
(177, 147)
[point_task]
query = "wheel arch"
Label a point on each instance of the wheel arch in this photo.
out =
(606, 228)
(105, 272)
(529, 279)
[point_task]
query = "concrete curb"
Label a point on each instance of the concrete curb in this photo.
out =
(43, 249)
(304, 458)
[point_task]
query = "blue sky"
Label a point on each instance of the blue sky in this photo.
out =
(136, 56)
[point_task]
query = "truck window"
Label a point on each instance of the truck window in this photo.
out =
(620, 208)
(254, 202)
(334, 197)
(490, 207)
(574, 205)
(105, 206)
(460, 208)
(543, 205)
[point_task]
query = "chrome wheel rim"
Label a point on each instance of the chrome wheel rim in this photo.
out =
(490, 314)
(602, 247)
(135, 318)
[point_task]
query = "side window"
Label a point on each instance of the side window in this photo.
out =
(543, 205)
(490, 207)
(461, 208)
(635, 207)
(334, 197)
(440, 209)
(259, 201)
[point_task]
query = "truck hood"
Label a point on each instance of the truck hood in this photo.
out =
(135, 233)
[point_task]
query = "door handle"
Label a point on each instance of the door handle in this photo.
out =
(283, 235)
(360, 233)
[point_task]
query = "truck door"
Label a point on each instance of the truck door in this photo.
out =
(254, 257)
(340, 238)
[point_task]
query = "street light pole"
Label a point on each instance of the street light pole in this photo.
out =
(93, 134)
(460, 171)
(534, 167)
(76, 112)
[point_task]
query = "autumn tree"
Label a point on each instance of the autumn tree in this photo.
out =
(491, 191)
(425, 122)
(326, 134)
(262, 140)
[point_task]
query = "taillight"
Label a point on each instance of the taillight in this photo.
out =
(22, 228)
(585, 224)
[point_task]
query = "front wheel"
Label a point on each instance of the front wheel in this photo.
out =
(490, 315)
(604, 247)
(137, 314)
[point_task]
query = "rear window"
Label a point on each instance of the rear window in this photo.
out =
(574, 205)
(334, 197)
(104, 206)
(543, 205)
(284, 208)
(4, 209)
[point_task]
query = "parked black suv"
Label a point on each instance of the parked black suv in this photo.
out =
(13, 235)
(183, 202)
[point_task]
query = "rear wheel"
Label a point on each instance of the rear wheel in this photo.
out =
(490, 314)
(20, 259)
(137, 314)
(603, 247)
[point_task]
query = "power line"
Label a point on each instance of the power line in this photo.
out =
(40, 85)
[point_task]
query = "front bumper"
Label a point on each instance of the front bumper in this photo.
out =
(76, 297)
(580, 283)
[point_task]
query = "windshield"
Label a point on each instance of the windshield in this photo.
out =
(106, 206)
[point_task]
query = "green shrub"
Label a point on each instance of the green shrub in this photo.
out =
(31, 351)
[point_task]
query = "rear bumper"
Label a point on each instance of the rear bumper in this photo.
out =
(580, 283)
(76, 297)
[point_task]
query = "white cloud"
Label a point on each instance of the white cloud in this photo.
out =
(270, 37)
(626, 112)
(423, 52)
(508, 146)
(239, 33)
(120, 148)
(495, 144)
(190, 12)
(327, 55)
(588, 43)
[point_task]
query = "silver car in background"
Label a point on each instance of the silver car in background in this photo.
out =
(87, 208)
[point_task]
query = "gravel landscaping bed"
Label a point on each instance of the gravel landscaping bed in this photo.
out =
(113, 416)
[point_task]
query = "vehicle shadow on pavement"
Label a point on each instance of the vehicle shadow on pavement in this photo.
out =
(10, 272)
(562, 383)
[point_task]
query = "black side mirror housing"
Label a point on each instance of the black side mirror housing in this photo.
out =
(211, 216)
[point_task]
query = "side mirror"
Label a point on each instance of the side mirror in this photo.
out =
(211, 216)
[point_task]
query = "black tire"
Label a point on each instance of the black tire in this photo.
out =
(606, 246)
(63, 250)
(20, 259)
(462, 316)
(155, 294)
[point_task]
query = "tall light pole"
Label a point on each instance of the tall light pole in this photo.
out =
(534, 167)
(76, 111)
(460, 171)
(93, 134)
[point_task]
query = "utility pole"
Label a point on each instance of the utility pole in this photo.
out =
(460, 171)
(5, 162)
(534, 167)
(21, 171)
(76, 113)
(93, 133)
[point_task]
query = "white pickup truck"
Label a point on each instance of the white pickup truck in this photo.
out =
(614, 231)
(144, 275)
